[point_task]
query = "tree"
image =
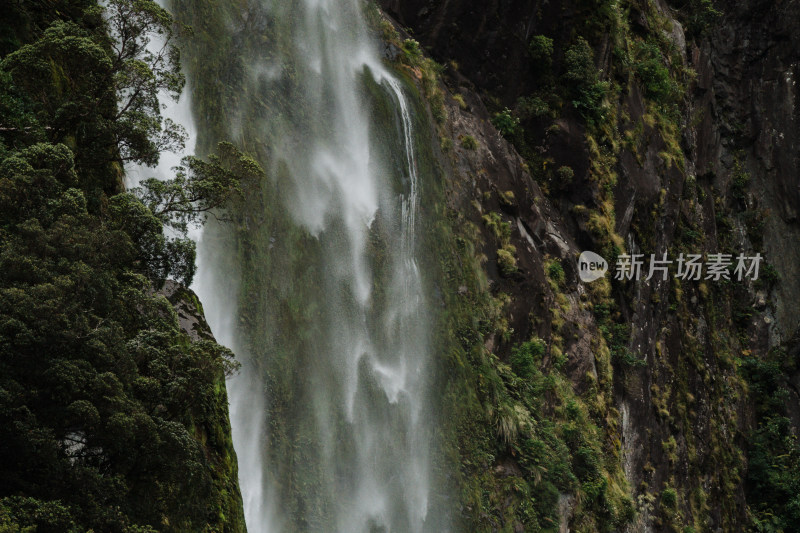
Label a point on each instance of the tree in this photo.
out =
(106, 406)
(97, 91)
(144, 64)
(587, 90)
(112, 418)
(200, 187)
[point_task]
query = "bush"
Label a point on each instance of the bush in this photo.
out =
(579, 61)
(506, 260)
(506, 197)
(581, 76)
(773, 455)
(669, 498)
(500, 229)
(388, 31)
(506, 123)
(412, 50)
(565, 175)
(468, 142)
(526, 357)
(530, 107)
(556, 272)
(437, 105)
(541, 49)
(699, 14)
(654, 75)
(586, 464)
(702, 15)
(769, 275)
(739, 181)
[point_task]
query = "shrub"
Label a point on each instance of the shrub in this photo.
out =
(506, 197)
(412, 50)
(533, 106)
(573, 409)
(500, 229)
(565, 175)
(437, 105)
(388, 32)
(556, 272)
(700, 14)
(739, 181)
(541, 49)
(769, 275)
(506, 123)
(506, 260)
(579, 61)
(526, 357)
(670, 447)
(446, 144)
(654, 75)
(587, 90)
(586, 464)
(669, 498)
(773, 476)
(468, 142)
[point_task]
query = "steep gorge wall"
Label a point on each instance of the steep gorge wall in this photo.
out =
(715, 173)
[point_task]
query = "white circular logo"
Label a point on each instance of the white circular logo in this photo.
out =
(591, 267)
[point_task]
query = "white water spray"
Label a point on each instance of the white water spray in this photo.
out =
(354, 452)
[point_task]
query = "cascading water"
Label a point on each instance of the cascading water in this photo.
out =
(317, 287)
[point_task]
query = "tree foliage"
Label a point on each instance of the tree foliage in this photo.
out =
(654, 74)
(96, 89)
(588, 92)
(699, 14)
(200, 187)
(507, 123)
(111, 417)
(773, 480)
(99, 386)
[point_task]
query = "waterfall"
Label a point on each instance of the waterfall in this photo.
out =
(317, 287)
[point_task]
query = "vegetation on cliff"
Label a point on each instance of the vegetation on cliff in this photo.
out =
(112, 417)
(562, 407)
(611, 105)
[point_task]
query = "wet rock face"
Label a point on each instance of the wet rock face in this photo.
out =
(741, 112)
(487, 39)
(745, 95)
(753, 59)
(187, 306)
(766, 93)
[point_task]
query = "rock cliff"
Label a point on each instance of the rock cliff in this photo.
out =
(692, 150)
